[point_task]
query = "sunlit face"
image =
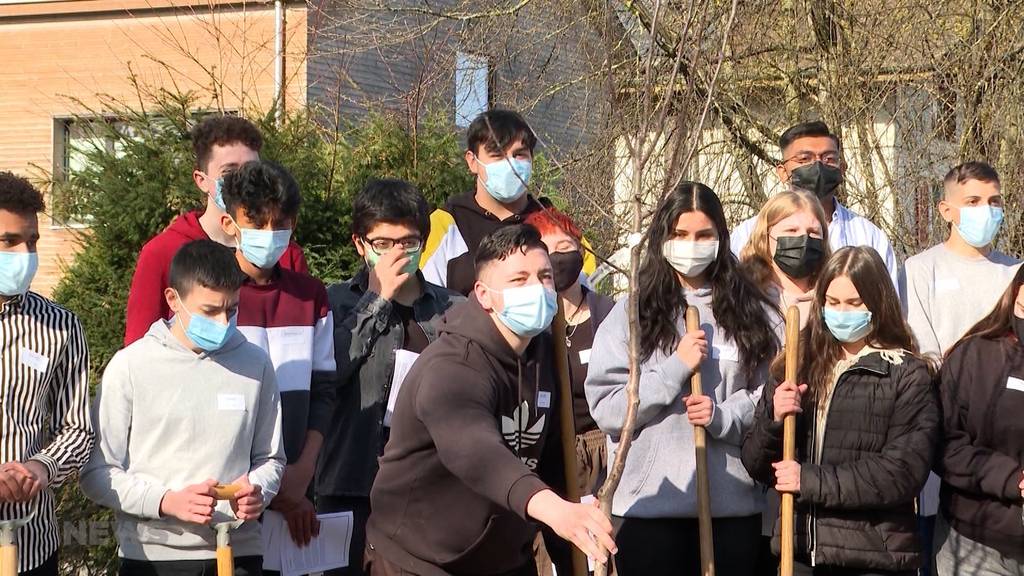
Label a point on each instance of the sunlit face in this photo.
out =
(807, 150)
(18, 232)
(694, 226)
(517, 269)
(842, 296)
(970, 193)
(517, 150)
(218, 305)
(1018, 304)
(558, 240)
(388, 236)
(800, 223)
(223, 159)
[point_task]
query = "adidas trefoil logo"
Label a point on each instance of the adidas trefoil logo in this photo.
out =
(516, 430)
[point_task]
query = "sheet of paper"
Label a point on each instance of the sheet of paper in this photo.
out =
(272, 525)
(327, 551)
(403, 363)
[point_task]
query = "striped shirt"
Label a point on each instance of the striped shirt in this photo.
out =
(44, 400)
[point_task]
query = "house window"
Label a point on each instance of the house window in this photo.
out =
(472, 87)
(75, 141)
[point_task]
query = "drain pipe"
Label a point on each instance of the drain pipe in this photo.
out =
(279, 27)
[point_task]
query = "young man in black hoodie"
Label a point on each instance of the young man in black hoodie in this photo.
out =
(475, 430)
(499, 152)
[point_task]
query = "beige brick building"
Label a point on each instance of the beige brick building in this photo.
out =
(62, 59)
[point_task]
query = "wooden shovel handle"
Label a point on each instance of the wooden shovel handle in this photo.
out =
(789, 442)
(707, 546)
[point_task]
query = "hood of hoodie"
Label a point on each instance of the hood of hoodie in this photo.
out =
(187, 226)
(475, 222)
(161, 332)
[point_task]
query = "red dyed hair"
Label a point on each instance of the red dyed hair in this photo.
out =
(551, 220)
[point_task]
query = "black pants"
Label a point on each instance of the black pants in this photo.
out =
(671, 546)
(360, 508)
(244, 566)
(800, 569)
(47, 568)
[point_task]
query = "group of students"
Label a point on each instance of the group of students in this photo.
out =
(421, 395)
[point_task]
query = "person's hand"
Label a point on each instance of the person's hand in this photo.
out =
(294, 484)
(303, 524)
(787, 476)
(248, 501)
(192, 504)
(1021, 485)
(787, 399)
(699, 409)
(693, 348)
(582, 524)
(17, 483)
(387, 278)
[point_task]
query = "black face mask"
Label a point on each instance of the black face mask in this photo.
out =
(799, 256)
(567, 267)
(1018, 328)
(817, 178)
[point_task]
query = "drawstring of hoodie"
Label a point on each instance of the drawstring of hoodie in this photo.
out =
(519, 394)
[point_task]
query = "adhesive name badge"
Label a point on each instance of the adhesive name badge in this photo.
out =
(293, 335)
(725, 352)
(34, 360)
(231, 402)
(946, 285)
(543, 399)
(585, 356)
(1015, 384)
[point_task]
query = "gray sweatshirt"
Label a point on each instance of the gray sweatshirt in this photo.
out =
(659, 480)
(166, 418)
(947, 293)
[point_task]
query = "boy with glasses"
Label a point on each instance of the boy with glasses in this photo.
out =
(384, 317)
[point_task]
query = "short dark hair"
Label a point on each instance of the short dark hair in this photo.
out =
(815, 129)
(974, 170)
(206, 263)
(218, 130)
(261, 188)
(18, 195)
(393, 201)
(506, 240)
(496, 130)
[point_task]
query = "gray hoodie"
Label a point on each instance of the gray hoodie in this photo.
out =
(659, 480)
(166, 418)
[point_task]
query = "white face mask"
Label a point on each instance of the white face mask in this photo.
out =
(690, 258)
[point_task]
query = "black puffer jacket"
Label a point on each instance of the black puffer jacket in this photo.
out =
(856, 503)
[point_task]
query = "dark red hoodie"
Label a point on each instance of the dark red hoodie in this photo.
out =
(474, 436)
(146, 302)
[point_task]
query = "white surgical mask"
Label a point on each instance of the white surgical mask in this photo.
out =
(690, 258)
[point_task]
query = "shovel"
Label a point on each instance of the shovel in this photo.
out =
(225, 559)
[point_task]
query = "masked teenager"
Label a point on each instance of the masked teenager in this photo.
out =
(287, 314)
(45, 430)
(980, 529)
(189, 406)
(221, 144)
(383, 318)
(499, 153)
(867, 427)
(687, 262)
(475, 450)
(812, 160)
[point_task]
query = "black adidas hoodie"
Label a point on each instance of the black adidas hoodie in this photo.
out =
(474, 430)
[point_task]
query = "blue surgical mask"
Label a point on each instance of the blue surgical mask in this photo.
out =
(16, 272)
(507, 178)
(979, 224)
(528, 309)
(208, 334)
(847, 326)
(218, 194)
(263, 248)
(413, 255)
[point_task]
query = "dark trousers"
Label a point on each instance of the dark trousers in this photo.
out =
(378, 565)
(360, 508)
(800, 569)
(244, 566)
(47, 568)
(671, 546)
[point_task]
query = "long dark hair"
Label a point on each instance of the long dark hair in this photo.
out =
(820, 351)
(740, 308)
(999, 322)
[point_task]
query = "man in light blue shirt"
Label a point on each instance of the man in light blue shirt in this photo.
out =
(811, 161)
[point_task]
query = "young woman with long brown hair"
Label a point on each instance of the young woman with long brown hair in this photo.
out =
(867, 426)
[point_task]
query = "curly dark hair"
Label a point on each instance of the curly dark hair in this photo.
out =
(265, 190)
(220, 131)
(18, 195)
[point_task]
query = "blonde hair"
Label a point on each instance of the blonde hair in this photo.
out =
(757, 255)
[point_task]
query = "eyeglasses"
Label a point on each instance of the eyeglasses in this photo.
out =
(382, 245)
(829, 158)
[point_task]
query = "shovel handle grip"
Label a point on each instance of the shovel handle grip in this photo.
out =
(9, 560)
(225, 562)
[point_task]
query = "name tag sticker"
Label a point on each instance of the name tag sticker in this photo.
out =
(543, 399)
(946, 285)
(1015, 384)
(293, 335)
(729, 353)
(585, 356)
(34, 360)
(231, 402)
